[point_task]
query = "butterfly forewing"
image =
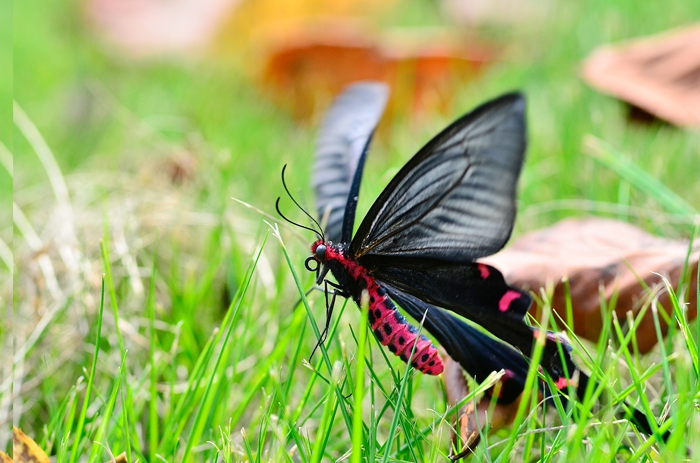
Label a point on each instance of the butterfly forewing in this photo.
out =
(455, 199)
(473, 290)
(342, 139)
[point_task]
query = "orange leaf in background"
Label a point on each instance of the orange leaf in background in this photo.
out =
(594, 253)
(302, 52)
(305, 70)
(659, 74)
(25, 450)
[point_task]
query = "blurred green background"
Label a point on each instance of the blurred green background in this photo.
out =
(152, 149)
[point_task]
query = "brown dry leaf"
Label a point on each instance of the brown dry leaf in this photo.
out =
(121, 458)
(474, 418)
(422, 66)
(600, 253)
(659, 74)
(25, 450)
(301, 51)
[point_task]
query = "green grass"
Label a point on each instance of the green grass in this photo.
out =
(191, 347)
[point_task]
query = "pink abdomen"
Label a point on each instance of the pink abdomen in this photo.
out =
(394, 331)
(389, 326)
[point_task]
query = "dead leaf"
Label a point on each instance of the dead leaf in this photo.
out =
(474, 418)
(659, 74)
(25, 450)
(311, 65)
(600, 253)
(121, 458)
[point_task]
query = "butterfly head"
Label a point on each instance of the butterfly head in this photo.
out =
(319, 249)
(315, 262)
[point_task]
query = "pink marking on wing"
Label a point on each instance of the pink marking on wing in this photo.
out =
(506, 300)
(562, 382)
(484, 271)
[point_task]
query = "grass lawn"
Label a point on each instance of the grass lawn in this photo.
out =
(194, 346)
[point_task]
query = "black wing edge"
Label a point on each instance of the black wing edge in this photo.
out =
(341, 147)
(516, 103)
(354, 194)
(480, 354)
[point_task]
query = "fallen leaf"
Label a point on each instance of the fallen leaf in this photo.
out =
(121, 458)
(659, 74)
(475, 417)
(306, 69)
(25, 450)
(597, 255)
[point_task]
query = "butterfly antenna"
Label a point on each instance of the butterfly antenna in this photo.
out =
(319, 232)
(277, 206)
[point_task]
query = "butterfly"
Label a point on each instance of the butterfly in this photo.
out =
(417, 247)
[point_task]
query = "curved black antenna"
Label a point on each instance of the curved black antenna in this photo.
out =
(277, 206)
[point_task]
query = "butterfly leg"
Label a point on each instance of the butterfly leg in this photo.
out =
(337, 291)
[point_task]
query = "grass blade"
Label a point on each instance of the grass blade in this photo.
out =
(77, 437)
(642, 180)
(359, 395)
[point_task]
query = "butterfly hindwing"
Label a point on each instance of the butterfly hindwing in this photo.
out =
(479, 293)
(340, 150)
(477, 353)
(455, 199)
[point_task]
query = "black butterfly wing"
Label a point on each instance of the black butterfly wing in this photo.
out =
(472, 289)
(478, 292)
(455, 199)
(479, 354)
(340, 151)
(452, 203)
(476, 352)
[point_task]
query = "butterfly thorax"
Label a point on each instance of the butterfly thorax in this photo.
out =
(387, 323)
